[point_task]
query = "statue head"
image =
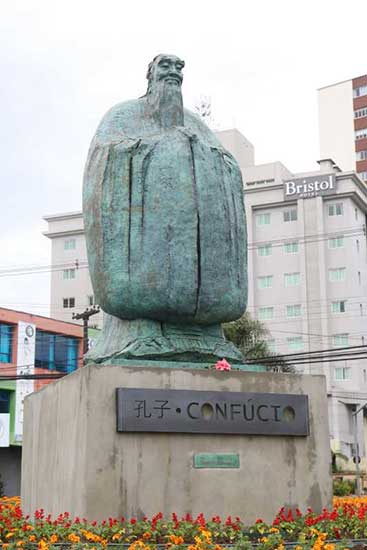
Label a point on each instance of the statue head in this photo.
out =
(166, 68)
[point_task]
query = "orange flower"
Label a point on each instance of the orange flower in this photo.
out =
(53, 539)
(9, 535)
(42, 545)
(32, 538)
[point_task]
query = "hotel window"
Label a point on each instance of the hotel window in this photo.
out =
(265, 282)
(264, 250)
(69, 273)
(335, 209)
(362, 175)
(360, 134)
(359, 277)
(338, 307)
(336, 242)
(6, 343)
(361, 155)
(70, 244)
(295, 343)
(68, 302)
(340, 340)
(291, 248)
(266, 313)
(292, 279)
(360, 113)
(361, 309)
(343, 373)
(337, 274)
(357, 245)
(294, 311)
(263, 219)
(361, 90)
(290, 215)
(90, 299)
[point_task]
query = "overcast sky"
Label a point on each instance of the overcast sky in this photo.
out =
(64, 63)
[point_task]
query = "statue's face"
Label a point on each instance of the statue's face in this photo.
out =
(168, 68)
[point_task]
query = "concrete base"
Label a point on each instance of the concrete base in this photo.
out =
(75, 461)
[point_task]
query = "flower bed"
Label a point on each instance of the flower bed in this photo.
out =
(345, 526)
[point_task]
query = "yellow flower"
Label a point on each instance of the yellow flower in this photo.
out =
(9, 535)
(91, 537)
(73, 537)
(42, 545)
(273, 530)
(20, 543)
(176, 540)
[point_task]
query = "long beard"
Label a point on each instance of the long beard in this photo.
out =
(166, 105)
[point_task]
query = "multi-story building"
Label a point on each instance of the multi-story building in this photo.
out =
(71, 288)
(308, 279)
(307, 263)
(29, 345)
(343, 124)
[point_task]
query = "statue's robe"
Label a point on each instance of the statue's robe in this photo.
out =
(164, 220)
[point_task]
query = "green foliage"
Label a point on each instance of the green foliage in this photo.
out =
(250, 337)
(342, 488)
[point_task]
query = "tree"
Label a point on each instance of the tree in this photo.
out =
(250, 337)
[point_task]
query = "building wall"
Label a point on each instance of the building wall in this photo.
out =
(10, 469)
(336, 124)
(23, 358)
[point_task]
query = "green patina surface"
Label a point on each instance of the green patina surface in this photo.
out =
(165, 228)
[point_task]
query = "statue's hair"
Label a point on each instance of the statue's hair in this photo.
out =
(151, 64)
(150, 69)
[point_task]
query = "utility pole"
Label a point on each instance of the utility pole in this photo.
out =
(85, 316)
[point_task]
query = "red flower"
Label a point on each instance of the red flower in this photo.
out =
(222, 365)
(259, 521)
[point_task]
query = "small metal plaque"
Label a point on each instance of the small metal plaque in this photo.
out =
(211, 412)
(211, 460)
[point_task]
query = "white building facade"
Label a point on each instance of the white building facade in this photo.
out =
(307, 260)
(343, 124)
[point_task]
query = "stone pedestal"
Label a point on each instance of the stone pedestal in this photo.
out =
(75, 460)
